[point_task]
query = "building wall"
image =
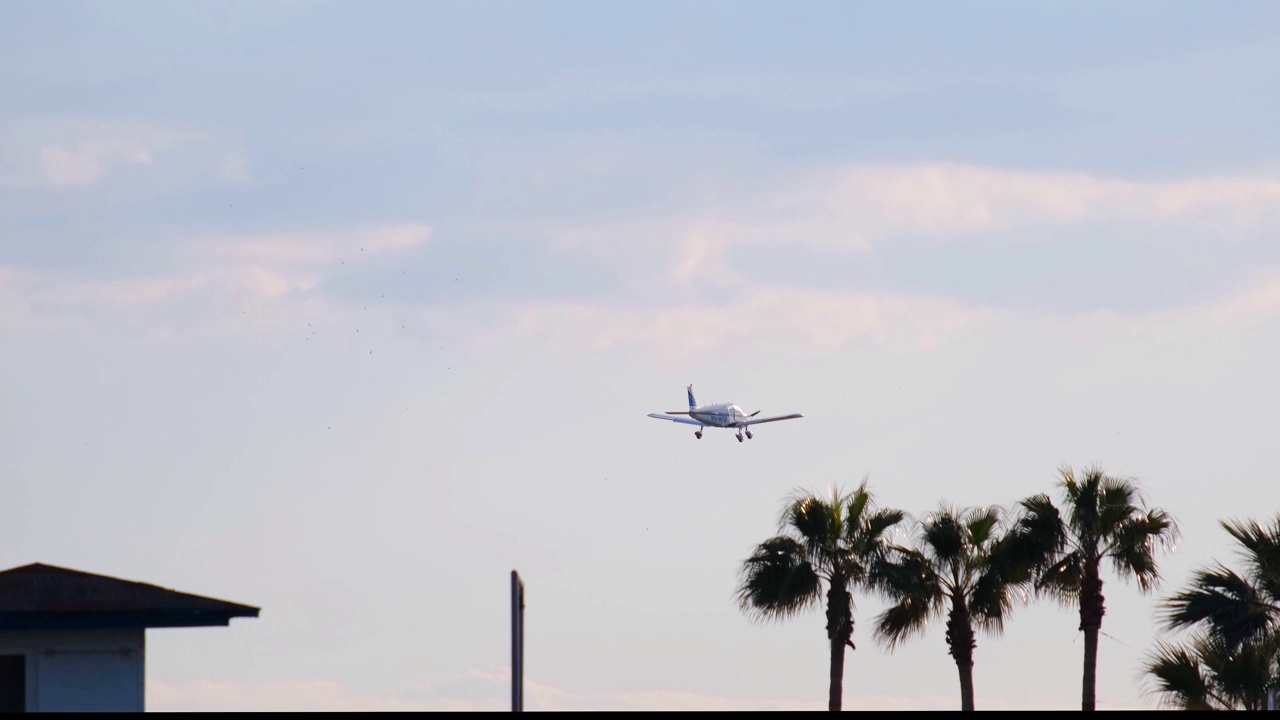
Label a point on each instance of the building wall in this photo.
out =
(81, 670)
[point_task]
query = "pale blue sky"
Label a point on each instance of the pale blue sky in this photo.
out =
(346, 310)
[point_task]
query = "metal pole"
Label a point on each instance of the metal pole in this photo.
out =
(517, 643)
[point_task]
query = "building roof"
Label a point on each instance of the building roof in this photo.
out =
(45, 597)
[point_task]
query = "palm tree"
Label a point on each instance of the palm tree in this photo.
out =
(830, 541)
(1106, 520)
(1235, 607)
(952, 569)
(1207, 674)
(1235, 655)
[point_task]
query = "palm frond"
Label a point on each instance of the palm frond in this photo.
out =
(945, 538)
(1178, 678)
(814, 520)
(908, 578)
(1037, 537)
(778, 580)
(1133, 544)
(1223, 600)
(1132, 557)
(991, 600)
(1207, 674)
(1064, 579)
(1069, 484)
(1260, 550)
(905, 572)
(876, 526)
(1117, 503)
(1082, 495)
(1162, 527)
(983, 523)
(902, 621)
(1244, 673)
(857, 502)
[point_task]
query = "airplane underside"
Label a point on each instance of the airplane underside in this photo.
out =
(741, 431)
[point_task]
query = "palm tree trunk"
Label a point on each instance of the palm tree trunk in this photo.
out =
(840, 633)
(1091, 611)
(960, 640)
(1088, 699)
(835, 692)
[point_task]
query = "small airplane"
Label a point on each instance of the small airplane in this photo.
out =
(721, 415)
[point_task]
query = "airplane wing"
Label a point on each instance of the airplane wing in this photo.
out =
(685, 420)
(757, 421)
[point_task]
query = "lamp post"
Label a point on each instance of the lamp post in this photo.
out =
(517, 643)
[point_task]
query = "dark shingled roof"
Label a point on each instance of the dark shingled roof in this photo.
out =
(44, 597)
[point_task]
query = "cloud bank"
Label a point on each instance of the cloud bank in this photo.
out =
(684, 291)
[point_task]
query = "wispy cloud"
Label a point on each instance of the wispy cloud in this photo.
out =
(67, 153)
(1259, 298)
(778, 320)
(859, 216)
(166, 302)
(85, 162)
(224, 275)
(864, 206)
(61, 152)
(683, 290)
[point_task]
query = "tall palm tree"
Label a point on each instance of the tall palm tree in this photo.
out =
(1106, 520)
(831, 542)
(952, 570)
(1236, 607)
(1207, 674)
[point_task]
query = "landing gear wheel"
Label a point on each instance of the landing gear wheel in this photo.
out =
(697, 434)
(739, 438)
(749, 435)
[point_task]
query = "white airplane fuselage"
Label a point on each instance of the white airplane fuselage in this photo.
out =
(720, 415)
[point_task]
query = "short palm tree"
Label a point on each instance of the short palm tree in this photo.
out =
(1206, 674)
(1236, 607)
(1106, 520)
(951, 571)
(831, 542)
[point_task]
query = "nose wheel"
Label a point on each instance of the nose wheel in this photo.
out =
(697, 434)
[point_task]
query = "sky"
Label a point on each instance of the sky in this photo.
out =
(346, 310)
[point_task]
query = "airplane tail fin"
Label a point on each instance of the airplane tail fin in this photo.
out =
(692, 403)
